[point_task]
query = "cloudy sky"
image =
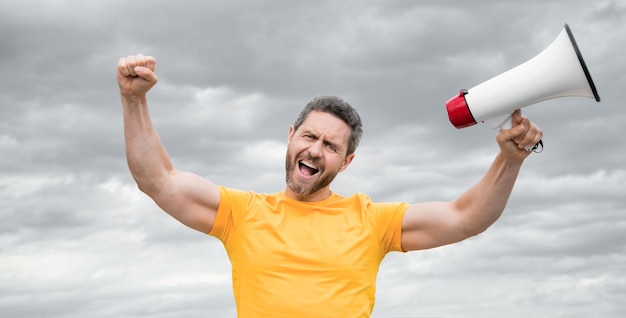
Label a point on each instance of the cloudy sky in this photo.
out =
(77, 239)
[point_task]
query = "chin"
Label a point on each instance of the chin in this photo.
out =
(301, 189)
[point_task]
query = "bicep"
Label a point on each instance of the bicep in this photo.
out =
(190, 199)
(431, 224)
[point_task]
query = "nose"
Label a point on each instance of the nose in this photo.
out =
(315, 150)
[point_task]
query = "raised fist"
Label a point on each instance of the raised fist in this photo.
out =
(135, 74)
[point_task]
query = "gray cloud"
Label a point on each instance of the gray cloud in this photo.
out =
(79, 240)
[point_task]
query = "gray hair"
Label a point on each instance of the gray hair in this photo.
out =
(342, 110)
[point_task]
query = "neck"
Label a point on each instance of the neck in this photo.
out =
(319, 195)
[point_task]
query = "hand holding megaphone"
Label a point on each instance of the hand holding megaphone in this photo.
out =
(525, 134)
(558, 71)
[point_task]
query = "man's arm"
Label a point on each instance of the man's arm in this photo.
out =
(432, 224)
(189, 198)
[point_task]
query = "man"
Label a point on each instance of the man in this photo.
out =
(306, 251)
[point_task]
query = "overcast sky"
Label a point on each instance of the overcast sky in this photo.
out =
(77, 239)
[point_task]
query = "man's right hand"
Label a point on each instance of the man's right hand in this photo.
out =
(135, 75)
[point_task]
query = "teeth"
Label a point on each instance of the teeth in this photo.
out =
(308, 164)
(314, 169)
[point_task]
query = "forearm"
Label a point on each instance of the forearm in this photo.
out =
(483, 203)
(433, 224)
(147, 159)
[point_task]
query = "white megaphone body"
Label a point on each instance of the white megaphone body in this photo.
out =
(558, 71)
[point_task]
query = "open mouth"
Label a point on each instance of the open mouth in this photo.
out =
(307, 168)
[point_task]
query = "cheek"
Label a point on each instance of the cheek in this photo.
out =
(291, 149)
(336, 164)
(295, 147)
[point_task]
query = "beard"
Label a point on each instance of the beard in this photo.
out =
(324, 178)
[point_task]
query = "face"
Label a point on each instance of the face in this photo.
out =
(316, 153)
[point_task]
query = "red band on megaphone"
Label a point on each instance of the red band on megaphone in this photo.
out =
(458, 111)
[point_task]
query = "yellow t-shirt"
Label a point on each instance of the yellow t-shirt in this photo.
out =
(305, 259)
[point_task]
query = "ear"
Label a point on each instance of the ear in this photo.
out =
(292, 131)
(346, 162)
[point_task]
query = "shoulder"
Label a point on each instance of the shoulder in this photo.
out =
(385, 219)
(235, 206)
(375, 211)
(240, 199)
(367, 203)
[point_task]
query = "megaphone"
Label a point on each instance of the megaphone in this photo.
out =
(558, 71)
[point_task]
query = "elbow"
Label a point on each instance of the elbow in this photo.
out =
(475, 226)
(475, 230)
(474, 220)
(150, 183)
(148, 188)
(143, 188)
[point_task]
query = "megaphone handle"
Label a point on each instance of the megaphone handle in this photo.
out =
(508, 124)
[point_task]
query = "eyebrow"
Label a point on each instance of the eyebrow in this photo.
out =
(337, 146)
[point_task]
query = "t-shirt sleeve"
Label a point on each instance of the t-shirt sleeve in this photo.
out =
(223, 224)
(389, 224)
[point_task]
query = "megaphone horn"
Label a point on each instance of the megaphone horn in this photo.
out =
(558, 71)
